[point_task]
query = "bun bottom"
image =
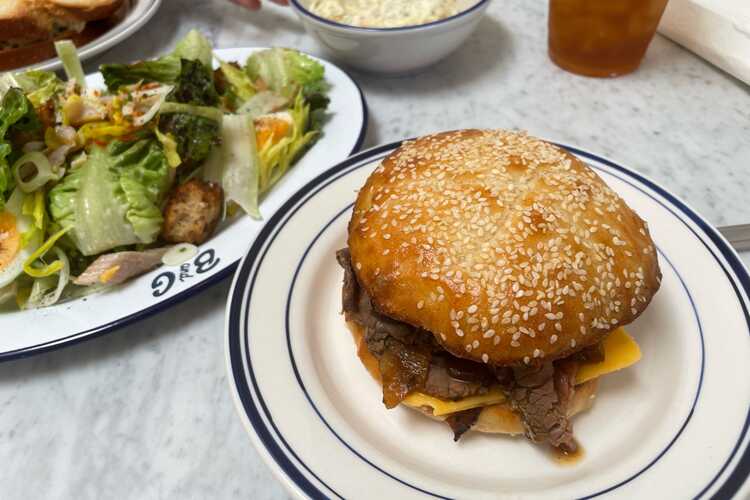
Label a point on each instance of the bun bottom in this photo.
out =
(494, 419)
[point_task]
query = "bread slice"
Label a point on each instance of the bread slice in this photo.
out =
(32, 53)
(27, 21)
(29, 28)
(89, 10)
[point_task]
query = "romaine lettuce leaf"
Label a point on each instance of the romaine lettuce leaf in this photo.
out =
(189, 116)
(238, 83)
(114, 198)
(195, 136)
(195, 47)
(39, 86)
(287, 71)
(16, 113)
(195, 85)
(163, 70)
(68, 54)
(6, 182)
(166, 69)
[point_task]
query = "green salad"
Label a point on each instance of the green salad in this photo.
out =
(97, 184)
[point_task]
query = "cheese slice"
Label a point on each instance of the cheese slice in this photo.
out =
(444, 407)
(620, 351)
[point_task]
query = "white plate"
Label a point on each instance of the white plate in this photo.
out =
(675, 425)
(139, 12)
(29, 332)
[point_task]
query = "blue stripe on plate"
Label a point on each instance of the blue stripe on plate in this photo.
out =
(252, 262)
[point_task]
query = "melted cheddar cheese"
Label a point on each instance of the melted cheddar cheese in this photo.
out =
(444, 407)
(620, 351)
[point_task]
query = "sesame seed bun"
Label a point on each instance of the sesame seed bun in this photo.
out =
(507, 248)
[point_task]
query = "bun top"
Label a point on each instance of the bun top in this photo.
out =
(507, 248)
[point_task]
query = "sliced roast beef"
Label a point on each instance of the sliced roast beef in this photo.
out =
(403, 369)
(451, 378)
(462, 421)
(542, 407)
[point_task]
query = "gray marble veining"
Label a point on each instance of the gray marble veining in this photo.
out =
(146, 413)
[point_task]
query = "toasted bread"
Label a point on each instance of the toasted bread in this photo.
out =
(27, 21)
(89, 10)
(29, 28)
(41, 51)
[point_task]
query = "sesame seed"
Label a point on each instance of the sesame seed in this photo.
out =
(420, 304)
(485, 358)
(553, 339)
(472, 309)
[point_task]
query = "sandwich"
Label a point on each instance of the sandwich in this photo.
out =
(487, 279)
(29, 28)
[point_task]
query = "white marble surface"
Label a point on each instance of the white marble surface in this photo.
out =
(146, 412)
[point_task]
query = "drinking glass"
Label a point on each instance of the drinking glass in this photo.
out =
(602, 38)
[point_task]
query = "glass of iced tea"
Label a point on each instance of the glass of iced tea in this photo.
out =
(602, 38)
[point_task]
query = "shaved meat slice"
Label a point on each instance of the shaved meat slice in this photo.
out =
(445, 381)
(114, 268)
(462, 421)
(542, 407)
(402, 369)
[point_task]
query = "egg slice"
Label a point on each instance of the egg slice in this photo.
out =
(12, 255)
(272, 128)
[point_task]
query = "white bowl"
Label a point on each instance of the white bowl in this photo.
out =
(392, 50)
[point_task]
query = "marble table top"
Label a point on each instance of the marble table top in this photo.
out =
(146, 412)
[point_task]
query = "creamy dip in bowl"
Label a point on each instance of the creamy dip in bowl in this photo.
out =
(384, 13)
(389, 36)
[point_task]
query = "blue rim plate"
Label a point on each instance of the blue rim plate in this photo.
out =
(31, 332)
(675, 425)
